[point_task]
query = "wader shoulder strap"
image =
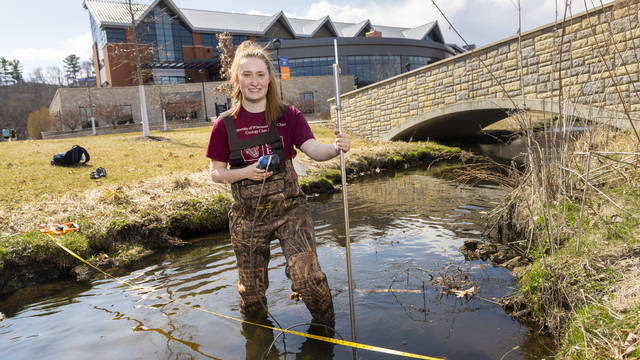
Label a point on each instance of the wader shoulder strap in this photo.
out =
(272, 137)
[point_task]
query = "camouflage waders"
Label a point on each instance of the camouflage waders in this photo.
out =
(283, 214)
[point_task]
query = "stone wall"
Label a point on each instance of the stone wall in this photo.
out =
(590, 57)
(128, 128)
(72, 99)
(322, 87)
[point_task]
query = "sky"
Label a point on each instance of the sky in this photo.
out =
(41, 33)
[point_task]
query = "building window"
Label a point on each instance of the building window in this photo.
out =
(127, 111)
(86, 112)
(165, 34)
(306, 105)
(315, 66)
(99, 37)
(414, 62)
(169, 80)
(116, 35)
(182, 105)
(370, 69)
(210, 40)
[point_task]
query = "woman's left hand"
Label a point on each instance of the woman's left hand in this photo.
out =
(342, 142)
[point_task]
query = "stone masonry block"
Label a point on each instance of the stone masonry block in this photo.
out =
(594, 87)
(575, 28)
(545, 57)
(462, 95)
(535, 60)
(545, 45)
(528, 52)
(473, 65)
(583, 78)
(584, 34)
(527, 43)
(510, 64)
(626, 58)
(530, 79)
(500, 59)
(450, 100)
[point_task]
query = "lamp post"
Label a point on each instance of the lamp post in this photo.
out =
(276, 44)
(92, 107)
(204, 97)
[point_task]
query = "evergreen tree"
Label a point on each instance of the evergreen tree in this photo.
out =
(71, 68)
(16, 71)
(5, 71)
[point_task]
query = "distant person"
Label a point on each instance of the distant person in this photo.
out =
(13, 135)
(188, 118)
(5, 134)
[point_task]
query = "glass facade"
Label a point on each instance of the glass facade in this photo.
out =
(210, 40)
(86, 112)
(100, 38)
(370, 69)
(164, 32)
(166, 35)
(414, 62)
(116, 35)
(169, 80)
(306, 105)
(311, 66)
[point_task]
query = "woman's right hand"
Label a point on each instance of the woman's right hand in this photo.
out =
(253, 173)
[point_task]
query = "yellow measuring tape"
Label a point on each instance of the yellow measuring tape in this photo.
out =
(311, 336)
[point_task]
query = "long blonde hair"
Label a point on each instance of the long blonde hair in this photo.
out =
(246, 50)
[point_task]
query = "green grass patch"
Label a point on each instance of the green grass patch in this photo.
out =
(597, 332)
(38, 246)
(127, 158)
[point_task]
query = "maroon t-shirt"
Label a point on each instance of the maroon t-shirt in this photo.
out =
(292, 127)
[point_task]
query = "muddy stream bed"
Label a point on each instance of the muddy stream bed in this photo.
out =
(406, 229)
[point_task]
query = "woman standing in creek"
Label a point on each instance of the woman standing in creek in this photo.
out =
(260, 125)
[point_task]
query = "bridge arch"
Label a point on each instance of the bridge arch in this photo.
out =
(544, 63)
(468, 118)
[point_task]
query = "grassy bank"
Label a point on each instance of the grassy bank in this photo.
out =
(157, 193)
(583, 286)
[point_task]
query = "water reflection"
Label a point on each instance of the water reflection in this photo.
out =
(406, 229)
(141, 327)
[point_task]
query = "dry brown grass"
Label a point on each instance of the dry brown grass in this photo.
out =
(142, 175)
(27, 176)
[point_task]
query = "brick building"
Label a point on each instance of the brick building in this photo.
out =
(180, 46)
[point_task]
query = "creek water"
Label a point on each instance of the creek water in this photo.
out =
(406, 228)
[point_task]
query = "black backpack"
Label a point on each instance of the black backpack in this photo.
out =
(71, 157)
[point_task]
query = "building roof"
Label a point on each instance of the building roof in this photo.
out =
(115, 14)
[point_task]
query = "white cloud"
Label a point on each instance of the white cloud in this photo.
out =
(258, 12)
(32, 58)
(479, 21)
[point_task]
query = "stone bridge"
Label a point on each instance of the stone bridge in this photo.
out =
(591, 59)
